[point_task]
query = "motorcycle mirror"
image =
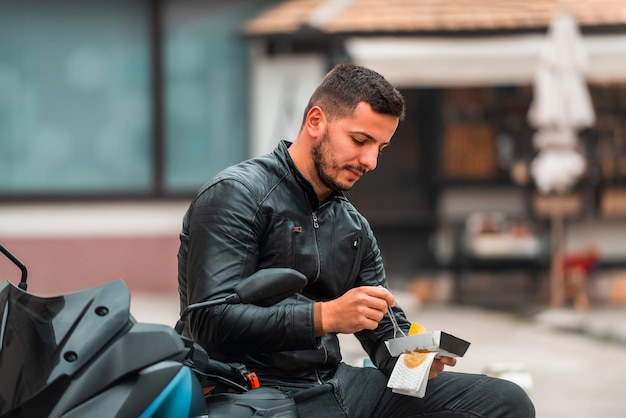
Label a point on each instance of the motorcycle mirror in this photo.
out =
(265, 287)
(22, 285)
(269, 286)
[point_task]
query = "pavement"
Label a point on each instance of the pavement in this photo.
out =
(572, 364)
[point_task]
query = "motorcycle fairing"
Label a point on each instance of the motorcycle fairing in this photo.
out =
(166, 389)
(44, 340)
(141, 346)
(181, 397)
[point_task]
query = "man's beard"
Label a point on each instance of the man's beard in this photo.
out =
(324, 165)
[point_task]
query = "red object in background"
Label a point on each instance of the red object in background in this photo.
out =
(578, 267)
(586, 261)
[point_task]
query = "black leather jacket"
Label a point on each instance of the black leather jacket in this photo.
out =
(263, 213)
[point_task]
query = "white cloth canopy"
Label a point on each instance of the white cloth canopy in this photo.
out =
(448, 61)
(557, 169)
(561, 106)
(560, 138)
(561, 98)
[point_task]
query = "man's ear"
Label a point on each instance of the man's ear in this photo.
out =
(315, 121)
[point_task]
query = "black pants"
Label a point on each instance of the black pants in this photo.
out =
(362, 392)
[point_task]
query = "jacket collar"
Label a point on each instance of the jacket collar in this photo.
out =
(282, 152)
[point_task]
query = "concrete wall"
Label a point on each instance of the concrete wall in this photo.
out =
(67, 247)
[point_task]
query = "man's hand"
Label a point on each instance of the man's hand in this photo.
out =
(357, 309)
(438, 365)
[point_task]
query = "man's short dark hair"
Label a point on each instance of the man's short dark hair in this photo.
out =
(347, 85)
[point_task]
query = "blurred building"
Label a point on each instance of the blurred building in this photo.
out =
(107, 101)
(466, 69)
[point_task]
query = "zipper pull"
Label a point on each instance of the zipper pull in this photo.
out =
(315, 223)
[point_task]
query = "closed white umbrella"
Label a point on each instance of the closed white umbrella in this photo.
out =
(561, 106)
(561, 99)
(556, 169)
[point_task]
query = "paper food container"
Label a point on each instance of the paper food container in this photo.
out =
(431, 341)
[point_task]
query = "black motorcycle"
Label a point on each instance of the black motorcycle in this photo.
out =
(83, 354)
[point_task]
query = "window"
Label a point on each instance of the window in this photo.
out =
(206, 89)
(74, 107)
(485, 136)
(124, 98)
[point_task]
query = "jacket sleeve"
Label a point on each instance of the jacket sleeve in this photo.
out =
(224, 229)
(372, 273)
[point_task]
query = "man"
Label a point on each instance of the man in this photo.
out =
(287, 209)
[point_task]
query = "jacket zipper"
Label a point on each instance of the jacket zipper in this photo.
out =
(316, 370)
(357, 258)
(317, 376)
(316, 226)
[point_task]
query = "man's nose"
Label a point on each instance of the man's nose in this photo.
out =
(369, 158)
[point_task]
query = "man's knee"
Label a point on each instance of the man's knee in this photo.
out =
(514, 399)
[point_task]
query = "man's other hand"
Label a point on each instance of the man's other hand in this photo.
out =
(438, 365)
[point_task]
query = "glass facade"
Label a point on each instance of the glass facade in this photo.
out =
(74, 97)
(77, 110)
(206, 89)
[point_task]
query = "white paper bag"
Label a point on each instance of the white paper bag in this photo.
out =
(408, 380)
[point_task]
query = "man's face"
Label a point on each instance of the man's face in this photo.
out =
(349, 147)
